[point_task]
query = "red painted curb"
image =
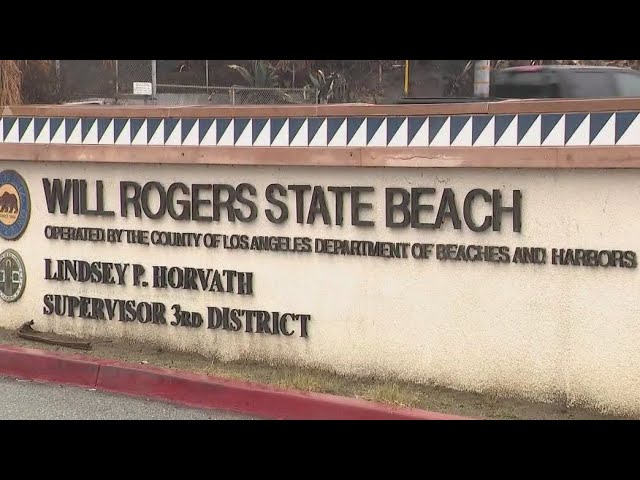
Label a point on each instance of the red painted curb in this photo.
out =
(197, 390)
(48, 366)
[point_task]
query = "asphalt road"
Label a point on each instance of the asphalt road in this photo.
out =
(26, 400)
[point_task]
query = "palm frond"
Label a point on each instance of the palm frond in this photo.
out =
(260, 75)
(10, 82)
(242, 71)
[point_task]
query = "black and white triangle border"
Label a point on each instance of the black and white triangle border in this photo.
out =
(526, 130)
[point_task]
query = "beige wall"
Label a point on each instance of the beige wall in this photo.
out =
(540, 331)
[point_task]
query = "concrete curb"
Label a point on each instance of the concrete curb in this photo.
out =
(196, 390)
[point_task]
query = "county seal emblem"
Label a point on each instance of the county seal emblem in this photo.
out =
(13, 276)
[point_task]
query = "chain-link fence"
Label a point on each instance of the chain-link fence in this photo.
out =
(235, 95)
(167, 82)
(130, 72)
(81, 79)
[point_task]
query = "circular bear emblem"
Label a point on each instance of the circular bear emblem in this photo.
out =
(15, 205)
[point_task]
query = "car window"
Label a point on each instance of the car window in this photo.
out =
(628, 84)
(589, 84)
(525, 85)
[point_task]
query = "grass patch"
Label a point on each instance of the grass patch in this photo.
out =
(392, 392)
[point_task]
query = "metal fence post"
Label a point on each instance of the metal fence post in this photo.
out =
(206, 74)
(117, 80)
(154, 79)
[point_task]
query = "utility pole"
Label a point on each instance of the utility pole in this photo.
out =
(482, 78)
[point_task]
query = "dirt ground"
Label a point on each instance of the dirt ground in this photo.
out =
(391, 392)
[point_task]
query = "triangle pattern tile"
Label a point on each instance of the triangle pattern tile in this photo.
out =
(549, 129)
(375, 127)
(631, 135)
(530, 130)
(458, 122)
(103, 124)
(525, 124)
(464, 136)
(357, 136)
(57, 131)
(602, 129)
(298, 132)
(478, 125)
(206, 132)
(10, 130)
(320, 138)
(171, 126)
(552, 129)
(400, 137)
(242, 132)
(436, 123)
(224, 132)
(73, 131)
(120, 125)
(442, 137)
(417, 127)
(418, 131)
(189, 132)
(576, 129)
(155, 131)
(295, 124)
(314, 124)
(548, 122)
(506, 134)
(623, 122)
(106, 131)
(89, 131)
(136, 126)
(41, 130)
(280, 132)
(173, 131)
(258, 126)
(138, 131)
(483, 128)
(277, 124)
(263, 136)
(572, 121)
(356, 126)
(337, 132)
(26, 130)
(122, 131)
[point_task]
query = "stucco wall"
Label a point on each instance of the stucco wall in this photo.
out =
(543, 331)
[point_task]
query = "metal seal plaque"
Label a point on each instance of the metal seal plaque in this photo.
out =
(13, 276)
(15, 205)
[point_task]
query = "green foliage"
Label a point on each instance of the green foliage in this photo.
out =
(330, 88)
(260, 74)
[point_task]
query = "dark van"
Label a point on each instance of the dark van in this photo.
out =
(560, 81)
